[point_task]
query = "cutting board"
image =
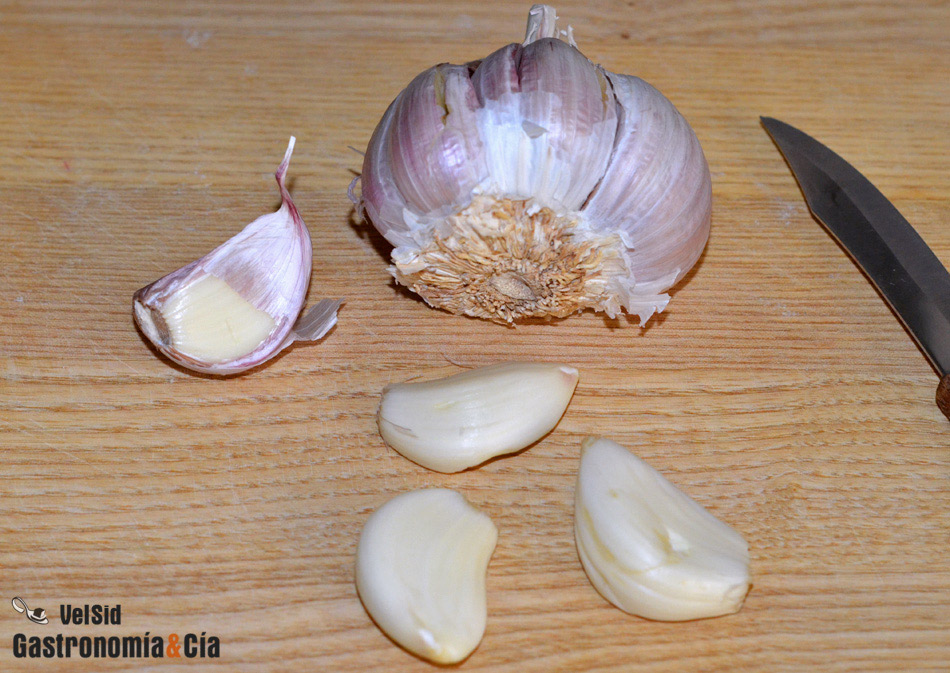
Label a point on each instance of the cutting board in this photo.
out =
(777, 389)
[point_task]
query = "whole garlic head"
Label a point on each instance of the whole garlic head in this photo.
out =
(534, 183)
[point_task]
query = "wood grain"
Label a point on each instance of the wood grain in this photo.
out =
(777, 389)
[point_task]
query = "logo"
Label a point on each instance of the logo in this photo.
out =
(38, 616)
(146, 646)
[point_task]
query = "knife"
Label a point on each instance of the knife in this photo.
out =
(876, 236)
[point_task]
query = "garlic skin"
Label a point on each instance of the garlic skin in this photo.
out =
(420, 572)
(457, 422)
(535, 184)
(238, 306)
(649, 548)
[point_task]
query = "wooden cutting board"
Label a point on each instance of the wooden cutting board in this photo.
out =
(777, 389)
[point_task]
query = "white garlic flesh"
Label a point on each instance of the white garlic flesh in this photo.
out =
(421, 564)
(239, 305)
(534, 183)
(460, 421)
(649, 548)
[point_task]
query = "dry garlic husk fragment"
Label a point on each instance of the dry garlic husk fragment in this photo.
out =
(533, 183)
(649, 548)
(420, 572)
(238, 306)
(460, 421)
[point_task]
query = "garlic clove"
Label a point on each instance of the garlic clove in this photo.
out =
(427, 156)
(436, 159)
(460, 421)
(380, 199)
(656, 193)
(536, 101)
(420, 572)
(238, 306)
(649, 548)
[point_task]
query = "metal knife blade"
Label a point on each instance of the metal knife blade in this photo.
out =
(876, 236)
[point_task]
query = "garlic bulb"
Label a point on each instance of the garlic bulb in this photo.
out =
(534, 183)
(460, 421)
(238, 306)
(420, 572)
(649, 548)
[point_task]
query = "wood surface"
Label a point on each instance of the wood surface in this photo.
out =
(777, 389)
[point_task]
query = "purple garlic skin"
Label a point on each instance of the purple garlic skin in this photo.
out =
(535, 184)
(239, 305)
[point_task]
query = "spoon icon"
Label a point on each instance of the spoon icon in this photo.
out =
(38, 615)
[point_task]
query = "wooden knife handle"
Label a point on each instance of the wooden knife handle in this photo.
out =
(943, 395)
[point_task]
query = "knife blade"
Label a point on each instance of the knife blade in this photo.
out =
(894, 257)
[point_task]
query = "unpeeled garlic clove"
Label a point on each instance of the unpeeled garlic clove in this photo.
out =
(420, 572)
(238, 306)
(649, 548)
(460, 421)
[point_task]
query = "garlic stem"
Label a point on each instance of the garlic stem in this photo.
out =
(542, 22)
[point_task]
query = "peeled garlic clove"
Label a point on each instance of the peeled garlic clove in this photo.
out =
(460, 421)
(420, 572)
(556, 188)
(649, 548)
(238, 306)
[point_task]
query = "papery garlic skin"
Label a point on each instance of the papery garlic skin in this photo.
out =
(460, 421)
(649, 548)
(534, 183)
(238, 306)
(420, 572)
